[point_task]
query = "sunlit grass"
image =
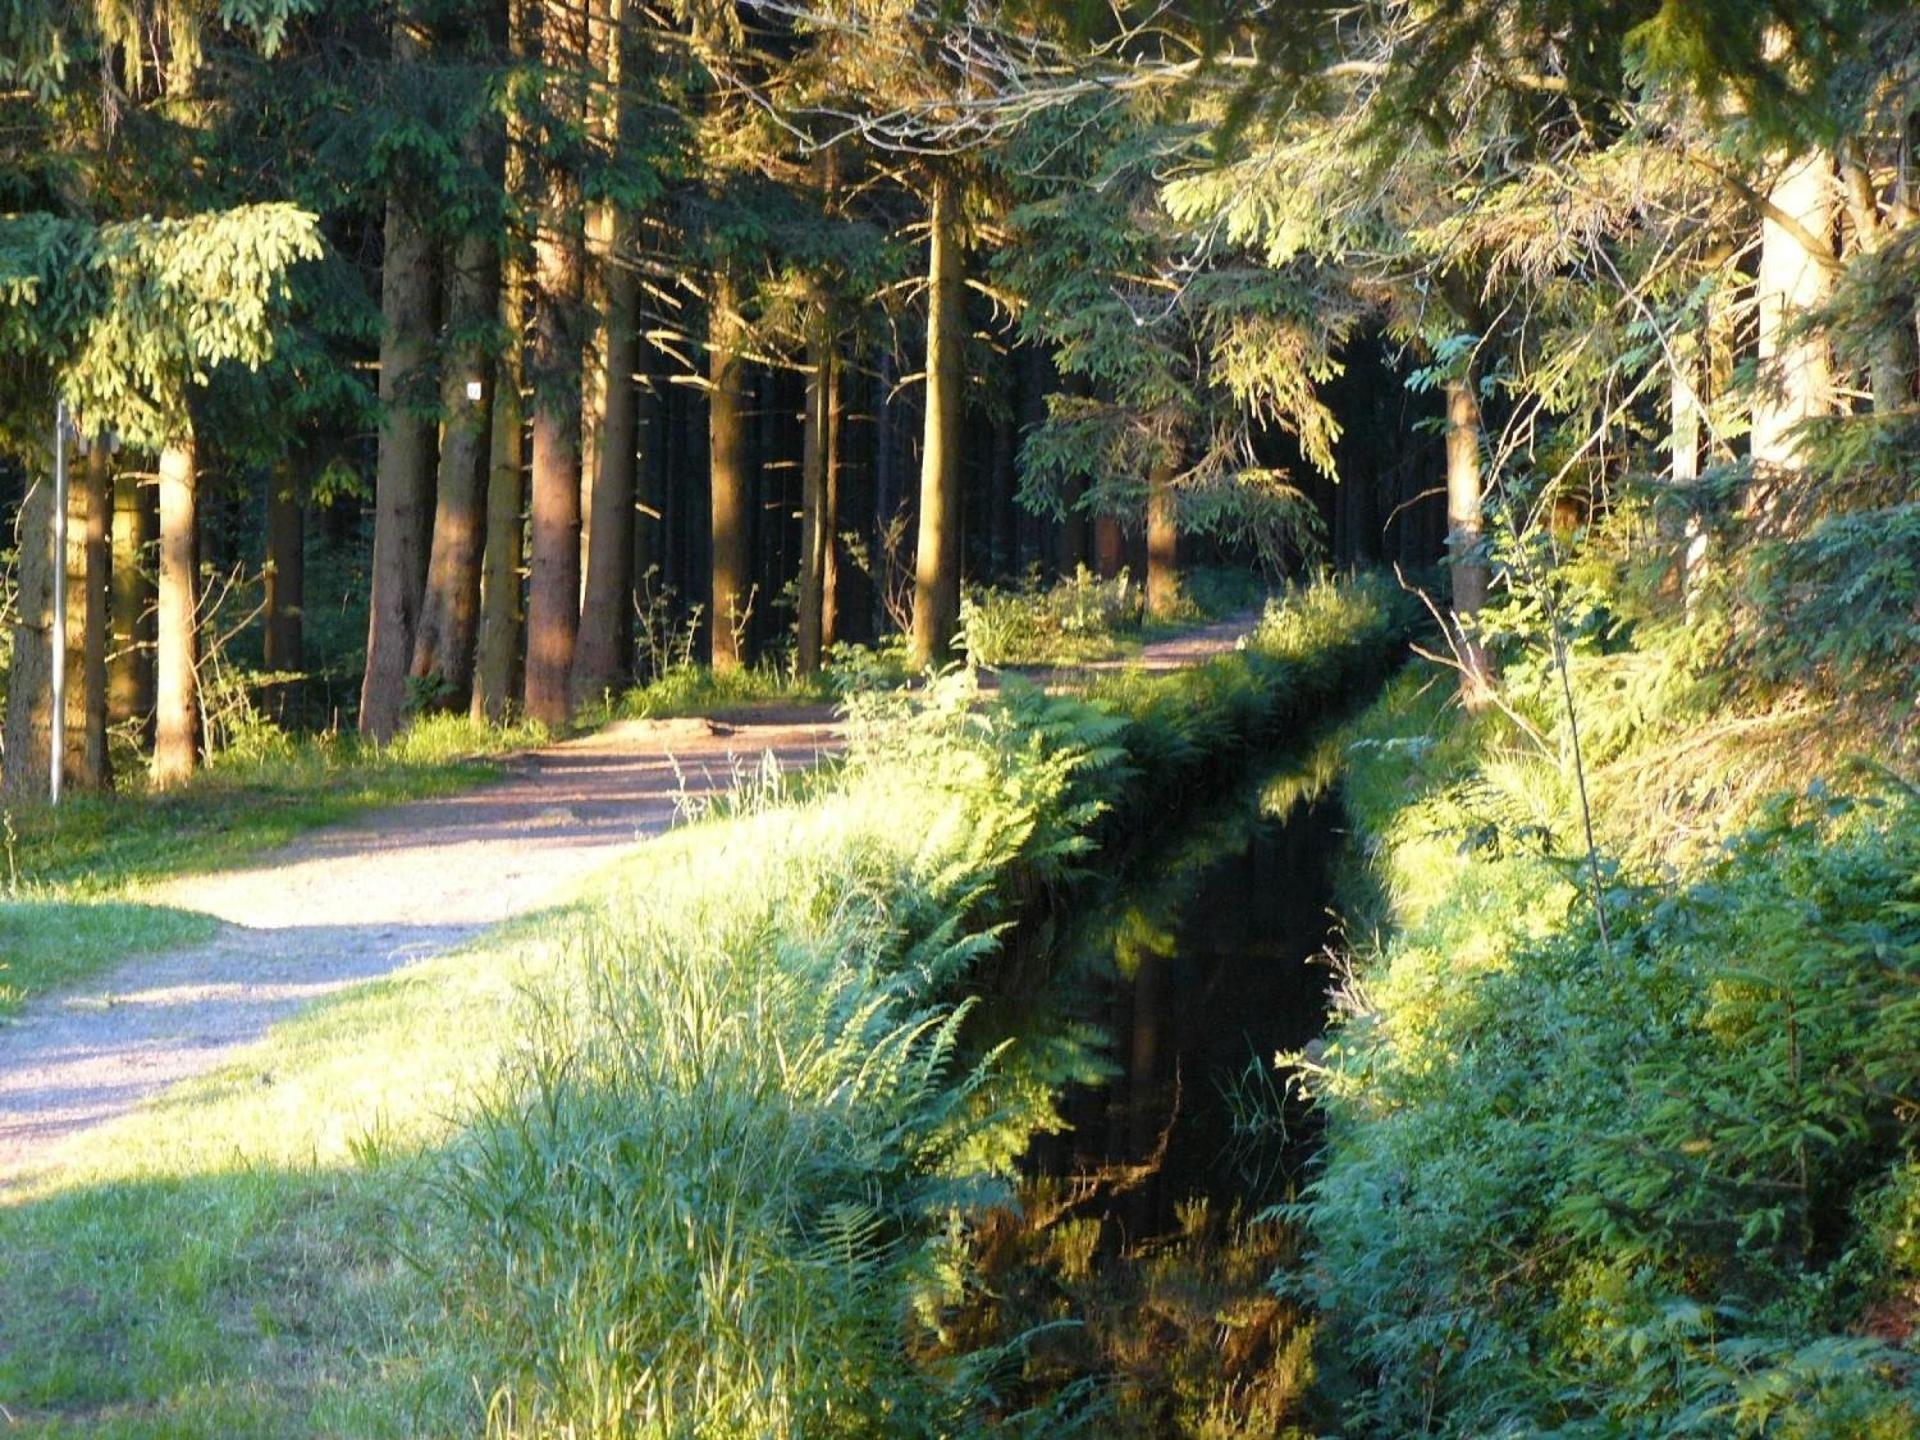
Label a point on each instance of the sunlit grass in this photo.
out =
(389, 1213)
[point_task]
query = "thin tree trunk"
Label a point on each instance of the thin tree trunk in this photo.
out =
(936, 590)
(1796, 371)
(176, 647)
(1688, 536)
(1891, 357)
(284, 648)
(443, 655)
(1465, 538)
(404, 464)
(727, 443)
(553, 587)
(130, 667)
(606, 610)
(816, 524)
(500, 612)
(1163, 536)
(501, 616)
(1109, 546)
(30, 677)
(830, 521)
(96, 581)
(602, 657)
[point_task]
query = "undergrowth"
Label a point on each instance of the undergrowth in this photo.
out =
(1657, 1177)
(731, 1184)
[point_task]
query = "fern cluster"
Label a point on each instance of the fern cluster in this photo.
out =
(727, 1189)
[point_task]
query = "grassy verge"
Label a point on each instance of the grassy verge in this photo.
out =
(1084, 618)
(1660, 1178)
(688, 1157)
(74, 875)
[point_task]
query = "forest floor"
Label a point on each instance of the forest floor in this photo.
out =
(356, 901)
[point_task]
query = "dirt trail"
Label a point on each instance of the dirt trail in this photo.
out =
(354, 902)
(360, 900)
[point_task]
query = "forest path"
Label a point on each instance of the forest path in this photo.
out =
(357, 901)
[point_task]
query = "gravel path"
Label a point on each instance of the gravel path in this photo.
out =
(354, 902)
(357, 901)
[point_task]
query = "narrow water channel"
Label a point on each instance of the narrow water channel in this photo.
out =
(1209, 973)
(1140, 1258)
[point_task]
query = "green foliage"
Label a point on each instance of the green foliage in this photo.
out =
(725, 1189)
(1657, 1180)
(1839, 606)
(1621, 1190)
(1079, 617)
(132, 314)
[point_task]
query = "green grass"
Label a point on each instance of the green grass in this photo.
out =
(1083, 618)
(75, 876)
(701, 690)
(392, 1211)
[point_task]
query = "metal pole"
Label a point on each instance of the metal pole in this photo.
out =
(57, 722)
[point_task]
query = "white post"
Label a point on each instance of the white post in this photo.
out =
(57, 721)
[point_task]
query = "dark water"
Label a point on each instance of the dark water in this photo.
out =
(1209, 968)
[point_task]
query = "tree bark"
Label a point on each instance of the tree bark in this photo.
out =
(727, 442)
(1109, 546)
(30, 677)
(95, 769)
(403, 466)
(830, 522)
(1891, 355)
(553, 586)
(443, 654)
(816, 521)
(1465, 538)
(606, 608)
(1796, 371)
(176, 743)
(501, 615)
(603, 656)
(936, 590)
(1163, 537)
(500, 612)
(130, 666)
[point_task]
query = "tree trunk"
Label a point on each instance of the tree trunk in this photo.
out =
(30, 678)
(816, 523)
(443, 643)
(606, 609)
(936, 590)
(403, 468)
(830, 522)
(1109, 546)
(1796, 372)
(284, 648)
(130, 666)
(727, 442)
(1465, 538)
(553, 586)
(176, 646)
(1163, 537)
(1891, 357)
(96, 583)
(501, 615)
(500, 612)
